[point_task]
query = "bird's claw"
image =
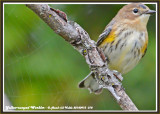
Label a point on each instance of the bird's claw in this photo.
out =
(117, 75)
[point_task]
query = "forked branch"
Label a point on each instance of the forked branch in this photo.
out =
(80, 40)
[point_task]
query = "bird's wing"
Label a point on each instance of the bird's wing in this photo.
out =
(105, 33)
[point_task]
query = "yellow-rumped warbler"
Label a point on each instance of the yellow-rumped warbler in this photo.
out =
(124, 41)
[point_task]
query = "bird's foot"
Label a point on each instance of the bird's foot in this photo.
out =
(117, 75)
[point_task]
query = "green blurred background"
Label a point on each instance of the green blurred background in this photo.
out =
(41, 69)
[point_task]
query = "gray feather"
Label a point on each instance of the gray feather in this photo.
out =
(105, 33)
(91, 84)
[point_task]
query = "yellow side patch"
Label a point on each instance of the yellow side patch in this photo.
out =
(109, 38)
(144, 47)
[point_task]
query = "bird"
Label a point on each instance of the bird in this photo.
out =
(124, 42)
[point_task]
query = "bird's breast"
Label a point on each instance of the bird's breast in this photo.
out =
(125, 51)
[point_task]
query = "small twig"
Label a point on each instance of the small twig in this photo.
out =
(80, 40)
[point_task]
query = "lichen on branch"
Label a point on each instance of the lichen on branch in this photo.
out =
(80, 40)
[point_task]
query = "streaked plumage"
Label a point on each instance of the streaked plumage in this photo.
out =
(124, 41)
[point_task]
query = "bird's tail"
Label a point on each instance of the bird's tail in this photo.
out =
(89, 82)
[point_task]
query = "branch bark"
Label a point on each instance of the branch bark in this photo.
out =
(80, 40)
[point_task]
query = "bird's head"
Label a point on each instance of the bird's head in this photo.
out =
(135, 13)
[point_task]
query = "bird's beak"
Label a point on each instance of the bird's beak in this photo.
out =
(150, 12)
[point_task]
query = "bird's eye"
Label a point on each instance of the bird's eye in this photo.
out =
(135, 10)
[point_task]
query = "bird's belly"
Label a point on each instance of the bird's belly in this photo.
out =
(123, 61)
(124, 56)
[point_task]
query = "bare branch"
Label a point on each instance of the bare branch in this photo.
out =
(80, 40)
